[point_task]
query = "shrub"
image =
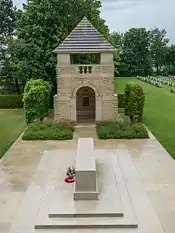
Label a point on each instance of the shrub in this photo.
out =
(121, 130)
(48, 131)
(121, 100)
(128, 88)
(134, 102)
(11, 101)
(36, 99)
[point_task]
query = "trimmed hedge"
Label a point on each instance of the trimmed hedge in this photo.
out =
(11, 101)
(121, 130)
(48, 131)
(134, 102)
(128, 88)
(37, 93)
(121, 100)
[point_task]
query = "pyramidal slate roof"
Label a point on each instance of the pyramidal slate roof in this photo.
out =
(83, 39)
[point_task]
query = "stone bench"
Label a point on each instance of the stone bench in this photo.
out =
(85, 187)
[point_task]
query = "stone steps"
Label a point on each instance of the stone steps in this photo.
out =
(89, 230)
(87, 223)
(86, 215)
(63, 203)
(121, 191)
(109, 212)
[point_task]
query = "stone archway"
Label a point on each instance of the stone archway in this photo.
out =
(85, 104)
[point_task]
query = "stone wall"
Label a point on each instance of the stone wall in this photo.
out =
(101, 80)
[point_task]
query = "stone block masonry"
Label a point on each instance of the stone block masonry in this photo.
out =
(86, 174)
(70, 79)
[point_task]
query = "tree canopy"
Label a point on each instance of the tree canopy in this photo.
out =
(41, 27)
(28, 37)
(8, 16)
(158, 47)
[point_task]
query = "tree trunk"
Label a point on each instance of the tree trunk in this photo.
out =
(157, 69)
(17, 86)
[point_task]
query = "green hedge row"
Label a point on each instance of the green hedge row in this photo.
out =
(11, 101)
(15, 101)
(121, 130)
(121, 100)
(49, 131)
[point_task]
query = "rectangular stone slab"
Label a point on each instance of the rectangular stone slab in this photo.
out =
(85, 187)
(108, 204)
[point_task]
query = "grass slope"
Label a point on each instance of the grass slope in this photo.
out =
(159, 112)
(12, 123)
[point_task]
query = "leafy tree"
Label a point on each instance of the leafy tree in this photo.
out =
(7, 23)
(42, 26)
(116, 40)
(158, 46)
(170, 60)
(36, 99)
(8, 17)
(136, 53)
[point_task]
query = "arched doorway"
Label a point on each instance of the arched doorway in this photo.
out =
(85, 104)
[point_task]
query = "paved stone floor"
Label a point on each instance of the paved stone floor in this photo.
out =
(154, 165)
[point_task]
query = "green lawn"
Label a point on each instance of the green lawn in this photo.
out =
(159, 112)
(12, 123)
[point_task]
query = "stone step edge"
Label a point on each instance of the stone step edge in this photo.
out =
(85, 215)
(86, 226)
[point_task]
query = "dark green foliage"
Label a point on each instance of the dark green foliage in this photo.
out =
(127, 90)
(170, 61)
(7, 23)
(123, 70)
(116, 40)
(136, 53)
(11, 101)
(48, 131)
(158, 48)
(121, 130)
(8, 81)
(36, 99)
(89, 58)
(8, 17)
(140, 51)
(41, 27)
(121, 100)
(134, 102)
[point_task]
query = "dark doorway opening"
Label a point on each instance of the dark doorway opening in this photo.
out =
(85, 104)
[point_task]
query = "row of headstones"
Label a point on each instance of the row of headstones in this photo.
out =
(151, 80)
(167, 80)
(158, 81)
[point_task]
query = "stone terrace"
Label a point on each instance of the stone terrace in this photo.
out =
(154, 166)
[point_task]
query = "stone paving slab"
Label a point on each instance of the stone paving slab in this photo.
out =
(87, 223)
(87, 231)
(155, 167)
(41, 188)
(110, 201)
(126, 177)
(109, 198)
(146, 216)
(40, 192)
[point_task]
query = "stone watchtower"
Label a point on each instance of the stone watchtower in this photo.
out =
(85, 77)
